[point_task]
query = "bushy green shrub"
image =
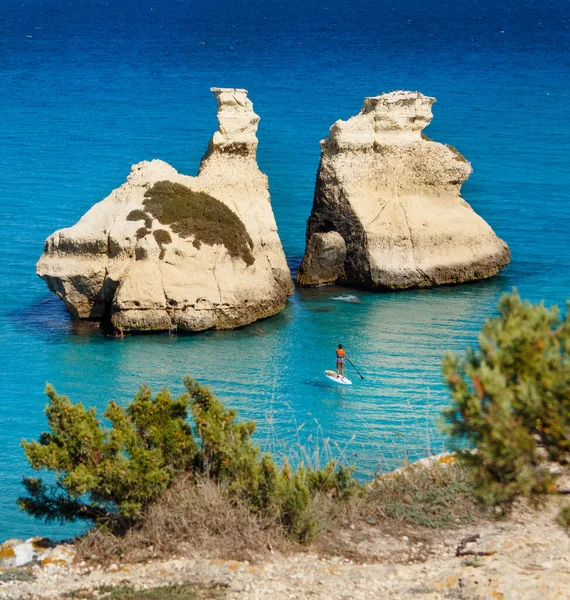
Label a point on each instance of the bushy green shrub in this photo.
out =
(111, 474)
(108, 473)
(162, 237)
(511, 401)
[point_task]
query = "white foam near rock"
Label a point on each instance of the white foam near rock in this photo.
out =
(156, 272)
(393, 195)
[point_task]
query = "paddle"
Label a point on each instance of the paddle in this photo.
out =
(348, 359)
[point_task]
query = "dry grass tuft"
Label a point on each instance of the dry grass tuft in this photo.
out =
(190, 517)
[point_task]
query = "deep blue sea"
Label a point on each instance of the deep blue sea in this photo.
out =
(88, 88)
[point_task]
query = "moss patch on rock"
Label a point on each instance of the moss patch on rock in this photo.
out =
(190, 213)
(162, 237)
(458, 155)
(17, 575)
(140, 215)
(142, 232)
(185, 591)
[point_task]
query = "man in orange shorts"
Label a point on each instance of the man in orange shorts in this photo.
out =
(340, 356)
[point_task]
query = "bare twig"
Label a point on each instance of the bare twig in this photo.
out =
(461, 551)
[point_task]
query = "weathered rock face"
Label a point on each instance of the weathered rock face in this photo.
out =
(324, 259)
(167, 251)
(43, 551)
(393, 195)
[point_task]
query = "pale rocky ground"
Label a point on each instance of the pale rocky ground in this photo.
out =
(528, 558)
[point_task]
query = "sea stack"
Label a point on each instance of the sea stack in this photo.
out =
(387, 211)
(169, 251)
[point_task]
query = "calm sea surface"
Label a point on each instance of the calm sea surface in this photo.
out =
(89, 88)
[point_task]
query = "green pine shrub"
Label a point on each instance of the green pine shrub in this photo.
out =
(107, 474)
(511, 402)
(111, 474)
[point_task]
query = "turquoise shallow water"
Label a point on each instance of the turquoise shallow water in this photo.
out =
(91, 87)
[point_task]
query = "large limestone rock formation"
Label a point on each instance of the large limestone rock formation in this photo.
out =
(168, 251)
(387, 211)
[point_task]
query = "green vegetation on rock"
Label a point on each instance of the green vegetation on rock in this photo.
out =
(162, 237)
(198, 214)
(140, 215)
(16, 574)
(440, 496)
(511, 402)
(142, 232)
(187, 591)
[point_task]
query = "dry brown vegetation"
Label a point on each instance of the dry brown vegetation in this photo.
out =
(189, 516)
(202, 518)
(438, 496)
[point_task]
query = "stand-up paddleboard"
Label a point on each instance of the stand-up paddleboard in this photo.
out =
(340, 379)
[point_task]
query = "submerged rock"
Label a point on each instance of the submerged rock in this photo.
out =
(393, 195)
(167, 251)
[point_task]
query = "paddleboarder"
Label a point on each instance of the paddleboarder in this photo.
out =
(340, 356)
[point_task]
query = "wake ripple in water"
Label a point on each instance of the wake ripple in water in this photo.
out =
(347, 298)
